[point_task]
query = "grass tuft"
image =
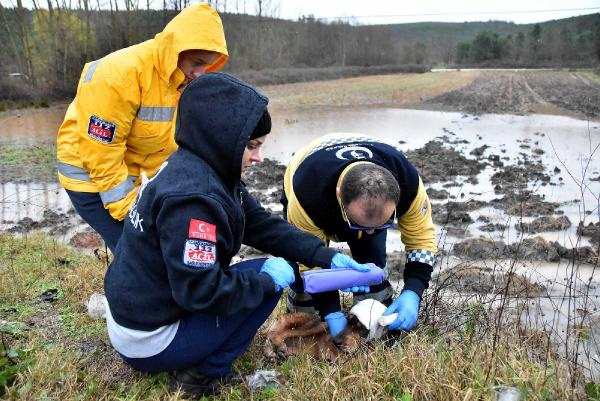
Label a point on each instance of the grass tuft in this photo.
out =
(52, 349)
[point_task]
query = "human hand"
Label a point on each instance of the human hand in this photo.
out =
(337, 322)
(341, 260)
(280, 272)
(407, 308)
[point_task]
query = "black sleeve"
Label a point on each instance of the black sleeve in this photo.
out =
(198, 280)
(417, 276)
(273, 235)
(327, 302)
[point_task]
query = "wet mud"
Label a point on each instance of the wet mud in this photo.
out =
(484, 280)
(55, 223)
(528, 249)
(523, 93)
(444, 165)
(439, 162)
(592, 230)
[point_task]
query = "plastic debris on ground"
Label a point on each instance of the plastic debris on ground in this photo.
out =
(96, 306)
(265, 378)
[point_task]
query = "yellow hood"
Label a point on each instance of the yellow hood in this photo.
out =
(195, 27)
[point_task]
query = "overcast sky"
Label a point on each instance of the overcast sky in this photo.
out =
(399, 11)
(393, 11)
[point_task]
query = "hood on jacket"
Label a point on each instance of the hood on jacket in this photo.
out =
(197, 27)
(216, 116)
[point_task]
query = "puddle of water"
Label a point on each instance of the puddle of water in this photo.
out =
(31, 200)
(31, 126)
(567, 143)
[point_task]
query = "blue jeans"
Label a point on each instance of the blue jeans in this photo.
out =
(92, 211)
(211, 343)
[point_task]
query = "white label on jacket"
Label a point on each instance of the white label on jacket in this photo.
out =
(134, 216)
(199, 253)
(354, 152)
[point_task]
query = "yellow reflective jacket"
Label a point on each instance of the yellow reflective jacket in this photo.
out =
(121, 122)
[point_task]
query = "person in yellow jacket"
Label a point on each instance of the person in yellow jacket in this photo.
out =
(352, 188)
(119, 128)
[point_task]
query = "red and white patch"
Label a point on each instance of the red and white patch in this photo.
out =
(202, 230)
(198, 253)
(101, 130)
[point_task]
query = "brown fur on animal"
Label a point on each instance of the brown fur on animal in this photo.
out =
(294, 333)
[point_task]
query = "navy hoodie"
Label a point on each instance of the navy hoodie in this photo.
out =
(191, 218)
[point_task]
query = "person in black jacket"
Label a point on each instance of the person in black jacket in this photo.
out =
(175, 302)
(349, 187)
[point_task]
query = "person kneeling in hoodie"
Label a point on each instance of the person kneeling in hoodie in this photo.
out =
(175, 302)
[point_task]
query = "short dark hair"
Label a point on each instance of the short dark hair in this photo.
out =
(371, 181)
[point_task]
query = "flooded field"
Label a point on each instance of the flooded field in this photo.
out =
(515, 196)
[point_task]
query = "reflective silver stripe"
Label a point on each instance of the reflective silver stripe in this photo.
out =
(90, 71)
(116, 193)
(74, 172)
(158, 113)
(77, 173)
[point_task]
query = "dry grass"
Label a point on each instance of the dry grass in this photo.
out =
(65, 355)
(391, 90)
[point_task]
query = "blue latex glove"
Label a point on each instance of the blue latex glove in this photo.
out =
(407, 308)
(280, 271)
(357, 288)
(337, 322)
(341, 260)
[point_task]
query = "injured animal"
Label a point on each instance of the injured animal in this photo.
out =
(296, 333)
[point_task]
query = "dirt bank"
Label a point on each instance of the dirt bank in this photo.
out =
(551, 92)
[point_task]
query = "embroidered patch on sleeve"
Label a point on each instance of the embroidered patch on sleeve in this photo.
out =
(424, 208)
(198, 253)
(202, 230)
(101, 130)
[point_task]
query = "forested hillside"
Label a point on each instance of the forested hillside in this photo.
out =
(44, 49)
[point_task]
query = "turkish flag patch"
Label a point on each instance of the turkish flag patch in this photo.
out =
(202, 230)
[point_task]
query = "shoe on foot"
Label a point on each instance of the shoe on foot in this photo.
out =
(193, 383)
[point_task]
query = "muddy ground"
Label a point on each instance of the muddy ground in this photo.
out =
(524, 93)
(438, 162)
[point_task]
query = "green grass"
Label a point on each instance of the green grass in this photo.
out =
(52, 350)
(15, 105)
(593, 76)
(397, 89)
(28, 162)
(7, 104)
(41, 155)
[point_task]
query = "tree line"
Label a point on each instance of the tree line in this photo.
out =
(45, 47)
(537, 46)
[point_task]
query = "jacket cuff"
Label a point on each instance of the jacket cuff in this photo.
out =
(267, 283)
(416, 285)
(326, 302)
(322, 257)
(417, 276)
